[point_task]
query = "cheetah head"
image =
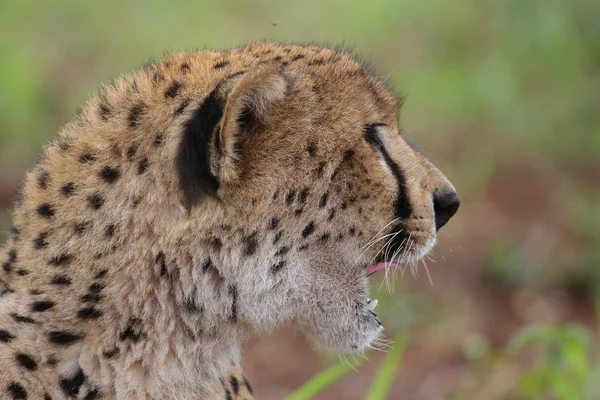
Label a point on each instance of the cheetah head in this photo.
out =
(301, 179)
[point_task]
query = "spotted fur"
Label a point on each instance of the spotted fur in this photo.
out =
(203, 198)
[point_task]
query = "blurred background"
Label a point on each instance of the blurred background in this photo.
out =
(504, 96)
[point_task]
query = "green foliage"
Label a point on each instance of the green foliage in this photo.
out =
(562, 368)
(381, 384)
(322, 381)
(385, 376)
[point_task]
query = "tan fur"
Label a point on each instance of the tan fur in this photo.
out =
(158, 292)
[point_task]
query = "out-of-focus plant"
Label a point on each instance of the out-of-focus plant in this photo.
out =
(381, 385)
(562, 367)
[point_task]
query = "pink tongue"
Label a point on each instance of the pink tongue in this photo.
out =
(371, 269)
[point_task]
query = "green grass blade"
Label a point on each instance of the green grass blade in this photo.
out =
(387, 371)
(322, 381)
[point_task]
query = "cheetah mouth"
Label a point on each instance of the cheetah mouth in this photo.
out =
(372, 269)
(381, 266)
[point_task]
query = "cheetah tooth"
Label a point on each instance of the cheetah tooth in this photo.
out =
(371, 304)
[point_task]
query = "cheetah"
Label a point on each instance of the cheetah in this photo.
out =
(206, 197)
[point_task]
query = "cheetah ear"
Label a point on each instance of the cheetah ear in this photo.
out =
(252, 98)
(210, 149)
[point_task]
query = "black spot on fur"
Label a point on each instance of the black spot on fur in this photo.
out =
(308, 230)
(43, 180)
(303, 247)
(41, 306)
(135, 113)
(129, 334)
(22, 319)
(71, 386)
(348, 155)
(96, 287)
(96, 201)
(12, 256)
(228, 394)
(207, 265)
(352, 231)
(298, 57)
(318, 61)
(173, 90)
(5, 336)
(17, 391)
(324, 237)
(344, 205)
(26, 361)
(111, 353)
(250, 244)
(14, 231)
(182, 107)
(289, 198)
(235, 385)
(276, 267)
(185, 68)
(277, 237)
(40, 242)
(92, 395)
(61, 260)
(110, 230)
(159, 139)
(335, 172)
(22, 272)
(282, 251)
(63, 338)
(190, 303)
(91, 298)
(89, 313)
(303, 195)
(68, 189)
(131, 152)
(87, 158)
(321, 169)
(104, 112)
(233, 292)
(221, 64)
(81, 226)
(142, 166)
(46, 211)
(109, 174)
(101, 274)
(323, 201)
(7, 267)
(312, 149)
(298, 212)
(274, 223)
(161, 261)
(193, 157)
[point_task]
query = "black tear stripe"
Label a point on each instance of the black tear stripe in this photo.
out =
(402, 207)
(193, 158)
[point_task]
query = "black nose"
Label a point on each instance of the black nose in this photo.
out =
(445, 205)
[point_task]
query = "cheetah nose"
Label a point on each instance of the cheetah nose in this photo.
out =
(445, 205)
